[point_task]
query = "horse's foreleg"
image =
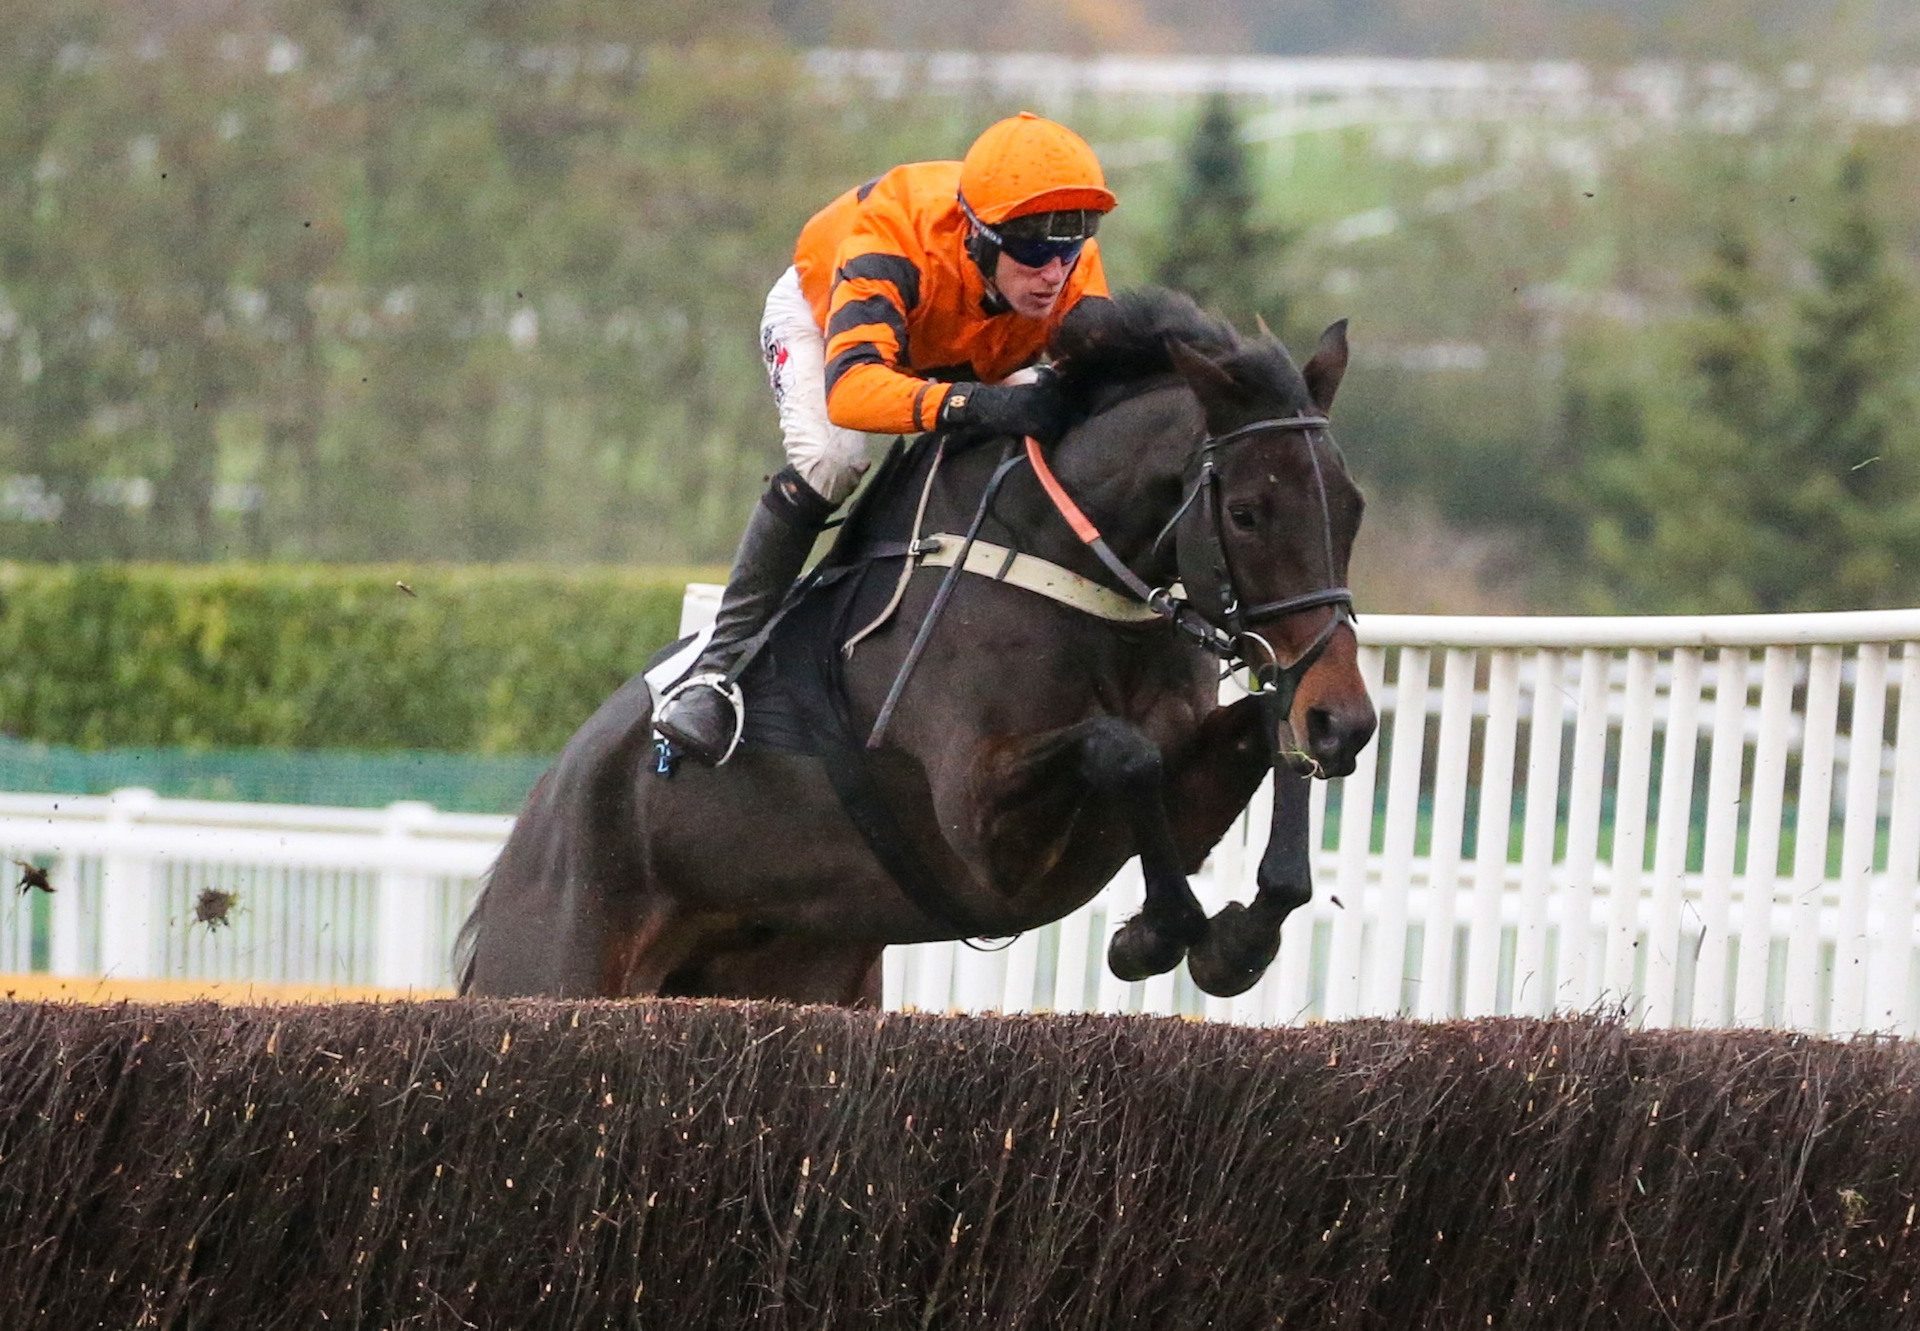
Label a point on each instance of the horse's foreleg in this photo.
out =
(1125, 766)
(1226, 765)
(1242, 941)
(1212, 776)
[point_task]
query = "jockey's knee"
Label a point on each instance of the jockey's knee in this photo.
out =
(830, 472)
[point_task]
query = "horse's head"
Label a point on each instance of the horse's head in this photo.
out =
(1264, 535)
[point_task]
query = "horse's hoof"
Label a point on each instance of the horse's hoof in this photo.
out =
(1234, 955)
(1139, 951)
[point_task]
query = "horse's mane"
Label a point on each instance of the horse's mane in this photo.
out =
(1105, 345)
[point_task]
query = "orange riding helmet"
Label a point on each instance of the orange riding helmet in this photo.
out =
(1026, 165)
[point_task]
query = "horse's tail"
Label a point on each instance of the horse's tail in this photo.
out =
(466, 943)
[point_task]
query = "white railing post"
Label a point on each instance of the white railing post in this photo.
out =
(1022, 972)
(1666, 931)
(1575, 974)
(1449, 823)
(1491, 834)
(1124, 897)
(67, 924)
(128, 911)
(1350, 876)
(1388, 977)
(1763, 838)
(1899, 896)
(1628, 861)
(1813, 818)
(1530, 993)
(404, 951)
(1723, 825)
(1074, 948)
(930, 983)
(893, 978)
(979, 979)
(1852, 944)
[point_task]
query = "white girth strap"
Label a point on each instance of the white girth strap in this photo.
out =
(1031, 573)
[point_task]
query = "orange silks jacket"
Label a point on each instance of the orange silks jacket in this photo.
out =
(906, 311)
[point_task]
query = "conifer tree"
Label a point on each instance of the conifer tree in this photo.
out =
(1217, 250)
(1678, 487)
(1733, 352)
(1852, 488)
(1786, 474)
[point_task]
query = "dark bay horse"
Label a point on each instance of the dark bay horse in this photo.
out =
(1036, 748)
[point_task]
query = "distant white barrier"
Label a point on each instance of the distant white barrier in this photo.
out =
(1697, 821)
(1305, 89)
(323, 896)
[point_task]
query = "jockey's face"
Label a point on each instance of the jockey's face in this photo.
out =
(1032, 292)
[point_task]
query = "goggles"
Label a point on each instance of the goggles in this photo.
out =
(1037, 239)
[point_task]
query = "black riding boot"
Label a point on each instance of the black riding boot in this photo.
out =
(700, 713)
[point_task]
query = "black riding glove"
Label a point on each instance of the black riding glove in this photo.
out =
(990, 410)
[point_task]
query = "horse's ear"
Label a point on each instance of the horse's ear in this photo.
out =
(1206, 379)
(1260, 322)
(1329, 364)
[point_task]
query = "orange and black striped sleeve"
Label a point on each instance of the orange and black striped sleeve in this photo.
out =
(876, 286)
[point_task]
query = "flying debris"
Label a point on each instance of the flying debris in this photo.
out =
(212, 905)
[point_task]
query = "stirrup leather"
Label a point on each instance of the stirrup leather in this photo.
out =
(727, 689)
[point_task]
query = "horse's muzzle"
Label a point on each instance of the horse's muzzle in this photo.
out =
(1334, 738)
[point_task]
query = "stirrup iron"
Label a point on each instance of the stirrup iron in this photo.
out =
(727, 689)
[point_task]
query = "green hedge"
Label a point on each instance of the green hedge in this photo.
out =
(476, 660)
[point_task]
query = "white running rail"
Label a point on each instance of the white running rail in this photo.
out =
(1706, 821)
(329, 897)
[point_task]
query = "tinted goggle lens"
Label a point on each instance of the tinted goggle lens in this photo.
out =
(1039, 253)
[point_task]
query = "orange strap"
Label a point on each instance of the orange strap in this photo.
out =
(1082, 527)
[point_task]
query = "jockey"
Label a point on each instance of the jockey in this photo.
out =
(910, 301)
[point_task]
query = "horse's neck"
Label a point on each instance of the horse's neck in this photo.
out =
(1125, 469)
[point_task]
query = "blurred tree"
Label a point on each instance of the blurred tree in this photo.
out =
(1780, 477)
(1854, 460)
(1646, 465)
(48, 364)
(1216, 249)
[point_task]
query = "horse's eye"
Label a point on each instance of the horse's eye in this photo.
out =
(1242, 515)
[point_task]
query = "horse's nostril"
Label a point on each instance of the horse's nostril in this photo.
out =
(1323, 732)
(1335, 737)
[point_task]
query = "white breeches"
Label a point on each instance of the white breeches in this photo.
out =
(829, 459)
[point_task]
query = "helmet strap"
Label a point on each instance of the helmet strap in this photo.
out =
(983, 244)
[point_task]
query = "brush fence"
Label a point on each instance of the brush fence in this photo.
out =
(1706, 821)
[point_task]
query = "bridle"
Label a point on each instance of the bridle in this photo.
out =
(1242, 622)
(1237, 627)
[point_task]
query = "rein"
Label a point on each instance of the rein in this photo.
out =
(940, 597)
